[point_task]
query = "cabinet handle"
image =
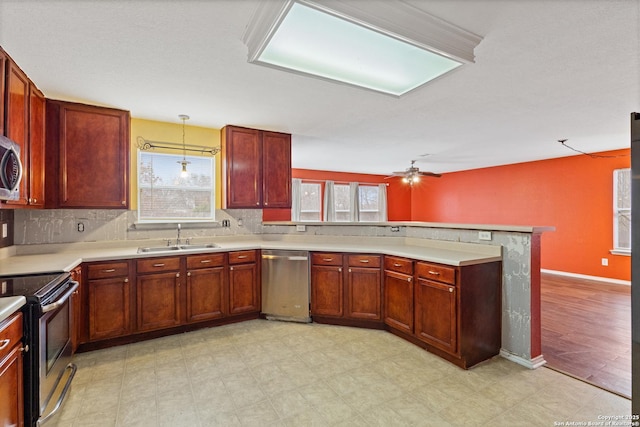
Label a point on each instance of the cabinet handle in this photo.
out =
(4, 344)
(364, 260)
(450, 289)
(435, 273)
(395, 264)
(160, 264)
(109, 270)
(242, 256)
(205, 261)
(327, 259)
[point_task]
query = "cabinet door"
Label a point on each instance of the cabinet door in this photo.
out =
(11, 380)
(242, 152)
(93, 157)
(17, 122)
(436, 314)
(398, 301)
(243, 288)
(36, 147)
(364, 293)
(109, 308)
(3, 67)
(276, 174)
(206, 294)
(158, 301)
(327, 290)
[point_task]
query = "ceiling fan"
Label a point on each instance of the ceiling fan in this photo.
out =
(412, 174)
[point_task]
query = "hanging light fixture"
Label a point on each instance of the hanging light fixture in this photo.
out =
(184, 173)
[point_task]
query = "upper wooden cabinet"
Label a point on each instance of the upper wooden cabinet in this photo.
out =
(87, 156)
(23, 121)
(257, 168)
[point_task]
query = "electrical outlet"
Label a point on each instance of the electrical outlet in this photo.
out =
(605, 261)
(484, 235)
(301, 227)
(5, 230)
(80, 227)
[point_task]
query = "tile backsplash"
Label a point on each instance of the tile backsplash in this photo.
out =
(34, 227)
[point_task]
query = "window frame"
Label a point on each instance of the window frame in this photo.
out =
(320, 194)
(174, 220)
(619, 212)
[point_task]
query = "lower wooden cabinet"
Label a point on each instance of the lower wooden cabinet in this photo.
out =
(109, 300)
(206, 287)
(398, 293)
(11, 372)
(436, 314)
(157, 293)
(244, 290)
(346, 286)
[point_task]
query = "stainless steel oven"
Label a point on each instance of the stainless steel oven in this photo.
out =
(48, 370)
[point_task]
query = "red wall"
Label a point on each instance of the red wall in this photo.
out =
(573, 194)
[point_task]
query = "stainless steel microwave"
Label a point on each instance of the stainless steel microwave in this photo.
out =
(10, 169)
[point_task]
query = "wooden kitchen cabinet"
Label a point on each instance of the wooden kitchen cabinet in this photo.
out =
(207, 287)
(25, 125)
(244, 283)
(398, 293)
(346, 287)
(364, 287)
(257, 168)
(327, 285)
(11, 371)
(458, 310)
(87, 156)
(76, 305)
(109, 300)
(158, 293)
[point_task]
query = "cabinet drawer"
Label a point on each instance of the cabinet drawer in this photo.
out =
(242, 257)
(399, 265)
(364, 260)
(437, 272)
(204, 261)
(326, 259)
(10, 334)
(103, 271)
(153, 265)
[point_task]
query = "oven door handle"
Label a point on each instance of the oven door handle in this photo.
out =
(54, 305)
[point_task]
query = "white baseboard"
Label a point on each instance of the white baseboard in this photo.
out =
(534, 363)
(587, 277)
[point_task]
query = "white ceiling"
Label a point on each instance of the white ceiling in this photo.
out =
(546, 70)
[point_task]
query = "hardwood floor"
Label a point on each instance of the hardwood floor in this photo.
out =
(586, 330)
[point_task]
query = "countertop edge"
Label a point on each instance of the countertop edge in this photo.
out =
(10, 305)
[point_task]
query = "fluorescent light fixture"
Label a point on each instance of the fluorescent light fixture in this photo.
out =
(357, 43)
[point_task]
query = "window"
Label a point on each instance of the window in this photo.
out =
(165, 196)
(622, 210)
(369, 203)
(342, 202)
(310, 202)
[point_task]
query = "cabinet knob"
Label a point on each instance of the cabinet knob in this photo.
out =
(124, 202)
(188, 274)
(408, 279)
(126, 280)
(177, 274)
(231, 268)
(349, 270)
(35, 200)
(450, 289)
(339, 268)
(266, 204)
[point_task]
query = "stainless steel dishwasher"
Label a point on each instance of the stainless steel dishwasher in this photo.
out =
(285, 285)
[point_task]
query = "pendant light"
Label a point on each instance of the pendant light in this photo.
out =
(184, 173)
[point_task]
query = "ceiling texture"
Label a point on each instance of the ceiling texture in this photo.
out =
(545, 70)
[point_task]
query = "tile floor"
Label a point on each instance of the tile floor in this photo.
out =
(267, 373)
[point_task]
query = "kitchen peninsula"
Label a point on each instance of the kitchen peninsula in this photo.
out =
(517, 246)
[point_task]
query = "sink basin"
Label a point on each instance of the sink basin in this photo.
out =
(152, 249)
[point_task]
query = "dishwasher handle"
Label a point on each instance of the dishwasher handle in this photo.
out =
(290, 258)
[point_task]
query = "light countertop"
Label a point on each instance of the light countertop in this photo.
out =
(9, 305)
(30, 259)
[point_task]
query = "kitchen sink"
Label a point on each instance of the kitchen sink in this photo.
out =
(153, 249)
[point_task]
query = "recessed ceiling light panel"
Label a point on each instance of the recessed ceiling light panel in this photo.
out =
(311, 39)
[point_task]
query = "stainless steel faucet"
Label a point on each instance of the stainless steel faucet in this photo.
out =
(178, 239)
